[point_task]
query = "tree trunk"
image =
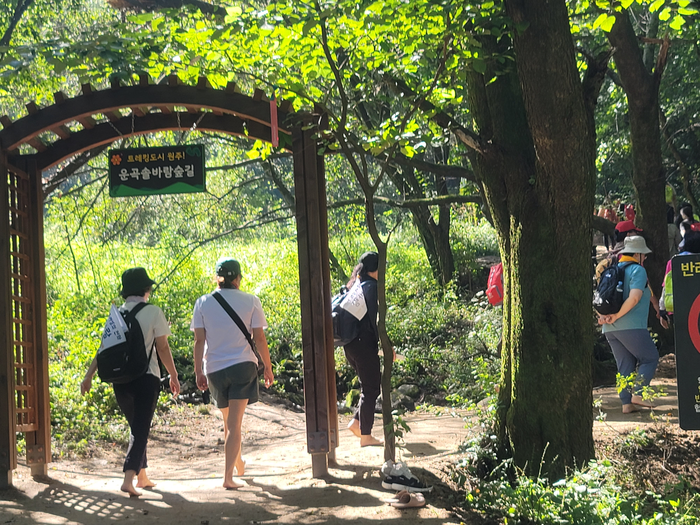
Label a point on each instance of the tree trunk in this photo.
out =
(537, 168)
(642, 89)
(435, 237)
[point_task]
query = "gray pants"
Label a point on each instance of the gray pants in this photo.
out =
(634, 350)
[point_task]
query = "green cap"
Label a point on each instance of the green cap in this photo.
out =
(227, 267)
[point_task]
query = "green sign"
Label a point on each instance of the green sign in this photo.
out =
(155, 171)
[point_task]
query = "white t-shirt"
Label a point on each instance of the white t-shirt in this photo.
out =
(225, 344)
(153, 324)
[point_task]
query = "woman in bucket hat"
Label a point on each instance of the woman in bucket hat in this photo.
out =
(626, 330)
(137, 399)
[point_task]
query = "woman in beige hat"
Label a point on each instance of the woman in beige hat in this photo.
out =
(626, 330)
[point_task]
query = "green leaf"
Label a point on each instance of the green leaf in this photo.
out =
(608, 24)
(656, 5)
(626, 3)
(479, 65)
(686, 11)
(234, 11)
(142, 18)
(601, 18)
(665, 14)
(677, 22)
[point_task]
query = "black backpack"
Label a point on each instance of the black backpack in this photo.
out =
(608, 296)
(346, 326)
(128, 360)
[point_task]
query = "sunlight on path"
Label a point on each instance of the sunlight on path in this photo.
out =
(186, 460)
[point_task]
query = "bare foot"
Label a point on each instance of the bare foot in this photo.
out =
(130, 490)
(233, 485)
(240, 467)
(145, 484)
(628, 409)
(639, 401)
(370, 441)
(354, 427)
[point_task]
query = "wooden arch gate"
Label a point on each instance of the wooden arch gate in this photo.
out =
(50, 135)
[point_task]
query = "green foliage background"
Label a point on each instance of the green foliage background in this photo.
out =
(90, 239)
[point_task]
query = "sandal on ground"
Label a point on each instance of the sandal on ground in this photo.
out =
(409, 500)
(397, 497)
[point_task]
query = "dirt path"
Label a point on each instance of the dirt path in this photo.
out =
(186, 459)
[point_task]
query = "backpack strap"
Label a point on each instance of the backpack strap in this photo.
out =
(239, 322)
(131, 316)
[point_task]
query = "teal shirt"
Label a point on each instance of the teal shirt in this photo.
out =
(636, 318)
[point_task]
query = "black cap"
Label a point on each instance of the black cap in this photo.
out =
(369, 262)
(135, 281)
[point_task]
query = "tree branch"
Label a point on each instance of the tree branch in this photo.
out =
(412, 203)
(443, 119)
(74, 165)
(20, 9)
(444, 170)
(150, 5)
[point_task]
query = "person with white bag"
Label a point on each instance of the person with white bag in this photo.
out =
(138, 398)
(362, 352)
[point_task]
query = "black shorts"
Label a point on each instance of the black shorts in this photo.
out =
(239, 381)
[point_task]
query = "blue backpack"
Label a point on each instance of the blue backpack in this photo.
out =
(609, 294)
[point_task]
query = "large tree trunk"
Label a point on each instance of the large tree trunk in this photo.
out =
(537, 168)
(649, 178)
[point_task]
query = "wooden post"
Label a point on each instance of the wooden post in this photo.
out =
(8, 455)
(330, 348)
(39, 441)
(314, 280)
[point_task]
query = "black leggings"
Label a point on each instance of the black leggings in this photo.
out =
(364, 358)
(138, 400)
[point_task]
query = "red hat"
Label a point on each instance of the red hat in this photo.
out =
(627, 226)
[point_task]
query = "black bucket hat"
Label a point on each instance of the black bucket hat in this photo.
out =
(135, 281)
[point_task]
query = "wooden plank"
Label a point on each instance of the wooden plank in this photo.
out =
(333, 429)
(105, 133)
(312, 298)
(37, 144)
(39, 441)
(61, 131)
(108, 102)
(316, 271)
(86, 121)
(8, 459)
(304, 281)
(112, 116)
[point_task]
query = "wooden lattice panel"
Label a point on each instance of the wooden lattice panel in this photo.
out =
(22, 316)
